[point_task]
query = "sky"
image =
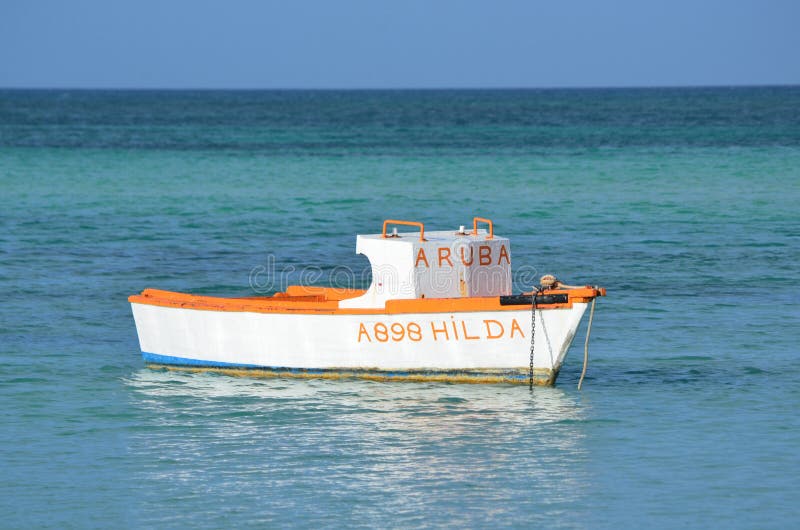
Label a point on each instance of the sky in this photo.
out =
(252, 44)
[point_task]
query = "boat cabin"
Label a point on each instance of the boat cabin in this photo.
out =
(444, 264)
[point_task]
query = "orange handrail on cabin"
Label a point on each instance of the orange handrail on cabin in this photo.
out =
(475, 221)
(406, 223)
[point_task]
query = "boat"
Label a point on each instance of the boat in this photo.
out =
(440, 308)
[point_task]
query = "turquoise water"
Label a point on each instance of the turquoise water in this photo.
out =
(682, 202)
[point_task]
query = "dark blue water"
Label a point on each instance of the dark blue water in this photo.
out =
(682, 202)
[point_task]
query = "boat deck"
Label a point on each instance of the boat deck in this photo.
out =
(325, 300)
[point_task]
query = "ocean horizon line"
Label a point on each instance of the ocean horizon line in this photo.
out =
(396, 89)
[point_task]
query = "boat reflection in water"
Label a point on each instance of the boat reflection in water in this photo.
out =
(481, 452)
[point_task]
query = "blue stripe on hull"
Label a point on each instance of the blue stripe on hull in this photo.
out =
(155, 358)
(511, 376)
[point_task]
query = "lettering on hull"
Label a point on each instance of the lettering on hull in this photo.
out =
(440, 330)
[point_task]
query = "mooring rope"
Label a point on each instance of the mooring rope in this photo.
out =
(549, 281)
(586, 344)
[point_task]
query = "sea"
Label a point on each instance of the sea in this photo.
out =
(684, 203)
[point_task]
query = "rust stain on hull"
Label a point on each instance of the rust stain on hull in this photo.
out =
(541, 377)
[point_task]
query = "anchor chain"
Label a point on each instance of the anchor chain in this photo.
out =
(534, 292)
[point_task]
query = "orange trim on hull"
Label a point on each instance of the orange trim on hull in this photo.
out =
(325, 300)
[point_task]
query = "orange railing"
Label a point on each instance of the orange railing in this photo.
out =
(405, 223)
(476, 220)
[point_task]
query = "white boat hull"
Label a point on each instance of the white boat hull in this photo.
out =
(477, 346)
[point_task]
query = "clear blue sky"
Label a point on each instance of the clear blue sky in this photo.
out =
(397, 44)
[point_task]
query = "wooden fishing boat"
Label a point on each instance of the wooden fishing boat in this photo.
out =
(440, 308)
